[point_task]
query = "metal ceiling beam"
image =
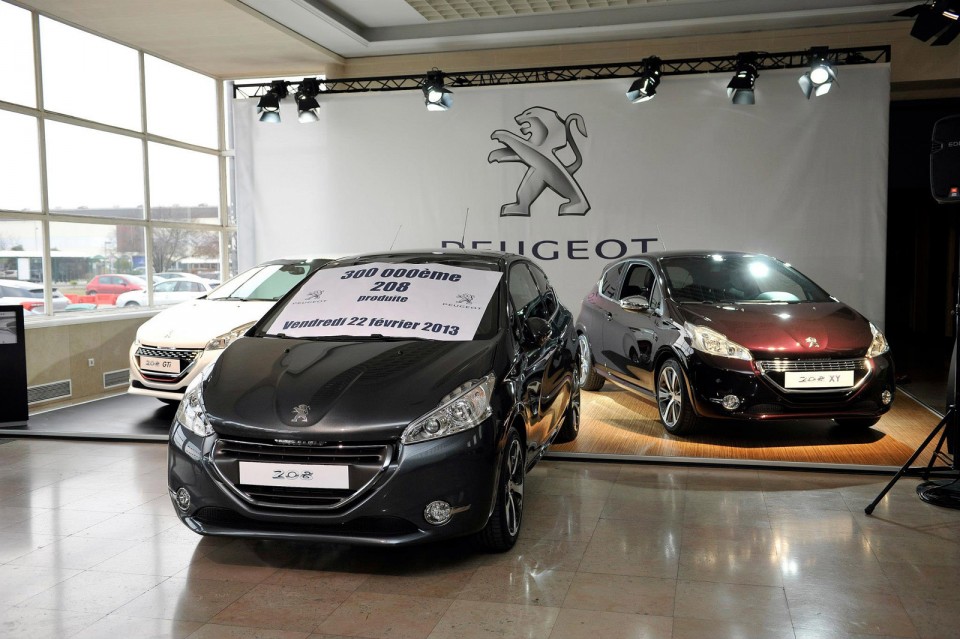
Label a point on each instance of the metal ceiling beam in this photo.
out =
(684, 66)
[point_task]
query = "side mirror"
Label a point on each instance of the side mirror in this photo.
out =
(635, 303)
(537, 331)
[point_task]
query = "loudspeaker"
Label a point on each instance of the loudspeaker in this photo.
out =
(945, 160)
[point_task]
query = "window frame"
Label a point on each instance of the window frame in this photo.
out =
(224, 228)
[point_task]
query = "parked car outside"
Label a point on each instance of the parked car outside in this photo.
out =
(30, 296)
(170, 291)
(174, 345)
(396, 398)
(114, 284)
(732, 335)
(169, 275)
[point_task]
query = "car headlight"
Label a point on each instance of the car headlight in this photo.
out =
(222, 341)
(707, 340)
(191, 412)
(879, 345)
(465, 407)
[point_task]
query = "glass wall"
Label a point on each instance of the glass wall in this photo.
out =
(99, 186)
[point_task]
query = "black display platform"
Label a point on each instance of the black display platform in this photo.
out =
(127, 417)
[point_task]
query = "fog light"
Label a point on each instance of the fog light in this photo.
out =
(437, 513)
(886, 397)
(183, 499)
(731, 402)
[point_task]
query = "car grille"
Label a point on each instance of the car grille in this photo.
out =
(773, 371)
(365, 462)
(187, 357)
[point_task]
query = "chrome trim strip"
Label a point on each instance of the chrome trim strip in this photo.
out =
(388, 457)
(783, 366)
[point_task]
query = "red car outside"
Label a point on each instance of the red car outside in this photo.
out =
(112, 284)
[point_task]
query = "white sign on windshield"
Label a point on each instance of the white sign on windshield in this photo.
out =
(428, 301)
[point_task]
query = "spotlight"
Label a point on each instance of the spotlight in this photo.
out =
(740, 89)
(306, 97)
(436, 96)
(938, 18)
(269, 105)
(645, 86)
(819, 79)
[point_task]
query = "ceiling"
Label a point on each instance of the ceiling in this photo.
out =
(257, 38)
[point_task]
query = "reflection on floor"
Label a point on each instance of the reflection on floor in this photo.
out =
(90, 548)
(620, 423)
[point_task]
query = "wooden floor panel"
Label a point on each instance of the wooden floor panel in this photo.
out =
(617, 422)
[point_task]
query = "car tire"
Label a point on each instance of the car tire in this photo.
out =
(673, 402)
(590, 380)
(131, 304)
(570, 427)
(503, 527)
(856, 423)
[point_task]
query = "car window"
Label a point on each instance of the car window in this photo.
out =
(547, 293)
(265, 283)
(639, 281)
(738, 278)
(610, 281)
(165, 287)
(523, 289)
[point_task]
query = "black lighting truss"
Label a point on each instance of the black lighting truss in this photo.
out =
(685, 66)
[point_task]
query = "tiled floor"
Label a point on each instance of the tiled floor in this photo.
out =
(90, 548)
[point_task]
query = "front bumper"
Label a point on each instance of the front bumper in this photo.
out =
(146, 383)
(761, 397)
(385, 509)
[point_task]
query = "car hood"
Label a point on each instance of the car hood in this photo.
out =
(333, 390)
(194, 323)
(827, 329)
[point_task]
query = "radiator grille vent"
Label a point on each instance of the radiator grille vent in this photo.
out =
(48, 392)
(116, 378)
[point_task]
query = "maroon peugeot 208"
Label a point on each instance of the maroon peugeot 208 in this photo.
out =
(731, 335)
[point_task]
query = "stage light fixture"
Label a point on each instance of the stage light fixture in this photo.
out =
(740, 88)
(939, 18)
(819, 78)
(645, 86)
(436, 96)
(269, 105)
(306, 97)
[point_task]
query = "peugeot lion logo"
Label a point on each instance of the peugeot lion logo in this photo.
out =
(812, 342)
(465, 298)
(300, 413)
(544, 133)
(314, 295)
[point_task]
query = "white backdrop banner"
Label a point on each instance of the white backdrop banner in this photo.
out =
(573, 175)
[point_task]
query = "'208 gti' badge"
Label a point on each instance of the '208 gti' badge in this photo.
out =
(300, 413)
(811, 343)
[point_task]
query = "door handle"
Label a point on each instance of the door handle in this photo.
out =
(609, 317)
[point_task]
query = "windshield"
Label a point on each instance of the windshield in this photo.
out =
(439, 299)
(737, 278)
(262, 283)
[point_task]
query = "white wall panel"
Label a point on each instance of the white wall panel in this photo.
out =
(801, 180)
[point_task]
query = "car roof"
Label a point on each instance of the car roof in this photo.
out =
(656, 255)
(21, 284)
(497, 258)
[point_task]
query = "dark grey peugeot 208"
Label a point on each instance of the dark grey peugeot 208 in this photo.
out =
(389, 399)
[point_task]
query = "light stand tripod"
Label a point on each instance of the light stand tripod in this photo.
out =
(945, 492)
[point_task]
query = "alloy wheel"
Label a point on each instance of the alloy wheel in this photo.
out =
(669, 396)
(513, 502)
(583, 360)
